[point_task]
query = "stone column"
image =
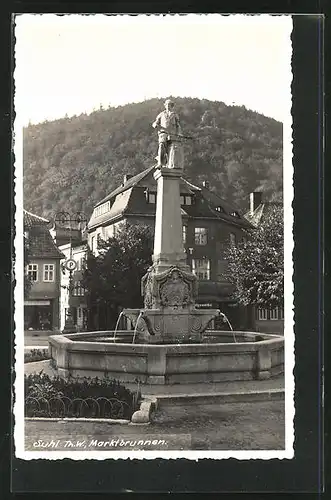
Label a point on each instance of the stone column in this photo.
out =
(168, 239)
(169, 287)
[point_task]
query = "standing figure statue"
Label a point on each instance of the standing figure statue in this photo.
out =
(169, 132)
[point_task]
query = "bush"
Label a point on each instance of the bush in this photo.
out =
(57, 397)
(36, 355)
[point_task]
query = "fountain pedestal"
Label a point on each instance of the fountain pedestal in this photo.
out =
(169, 287)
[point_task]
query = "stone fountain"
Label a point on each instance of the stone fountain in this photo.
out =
(169, 287)
(170, 342)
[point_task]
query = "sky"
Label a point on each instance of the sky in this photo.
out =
(71, 64)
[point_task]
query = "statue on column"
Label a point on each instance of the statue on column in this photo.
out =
(170, 135)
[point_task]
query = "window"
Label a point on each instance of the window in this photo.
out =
(151, 198)
(80, 264)
(99, 239)
(117, 228)
(78, 290)
(277, 313)
(102, 209)
(222, 268)
(274, 314)
(280, 313)
(33, 272)
(200, 235)
(93, 244)
(201, 268)
(184, 234)
(219, 209)
(185, 199)
(262, 314)
(48, 272)
(232, 239)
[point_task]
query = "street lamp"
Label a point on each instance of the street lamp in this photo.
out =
(66, 220)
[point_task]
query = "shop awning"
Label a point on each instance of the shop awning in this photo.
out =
(215, 290)
(37, 302)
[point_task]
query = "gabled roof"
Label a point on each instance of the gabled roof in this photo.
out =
(133, 181)
(191, 186)
(229, 211)
(31, 220)
(209, 204)
(215, 200)
(40, 242)
(262, 211)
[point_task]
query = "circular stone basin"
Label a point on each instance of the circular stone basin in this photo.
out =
(221, 356)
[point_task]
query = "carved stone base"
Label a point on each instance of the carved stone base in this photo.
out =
(180, 326)
(169, 315)
(174, 287)
(170, 325)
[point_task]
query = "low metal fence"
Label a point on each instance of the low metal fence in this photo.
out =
(64, 407)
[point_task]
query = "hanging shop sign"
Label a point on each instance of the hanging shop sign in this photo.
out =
(70, 264)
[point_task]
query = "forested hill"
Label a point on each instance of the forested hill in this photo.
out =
(71, 163)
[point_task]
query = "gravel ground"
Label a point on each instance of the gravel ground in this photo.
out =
(236, 426)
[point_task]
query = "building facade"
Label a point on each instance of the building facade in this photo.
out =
(42, 305)
(210, 224)
(76, 252)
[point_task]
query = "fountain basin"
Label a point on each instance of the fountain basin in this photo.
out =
(253, 356)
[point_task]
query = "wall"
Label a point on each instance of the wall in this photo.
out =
(269, 321)
(218, 238)
(104, 232)
(48, 290)
(78, 254)
(42, 289)
(268, 326)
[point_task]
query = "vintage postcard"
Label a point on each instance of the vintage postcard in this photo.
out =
(153, 194)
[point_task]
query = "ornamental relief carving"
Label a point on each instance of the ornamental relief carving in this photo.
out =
(175, 291)
(172, 288)
(147, 289)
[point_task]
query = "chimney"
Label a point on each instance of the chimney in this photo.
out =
(255, 199)
(205, 184)
(126, 178)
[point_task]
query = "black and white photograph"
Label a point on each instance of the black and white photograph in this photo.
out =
(154, 237)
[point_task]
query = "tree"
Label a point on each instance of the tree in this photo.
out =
(256, 267)
(112, 278)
